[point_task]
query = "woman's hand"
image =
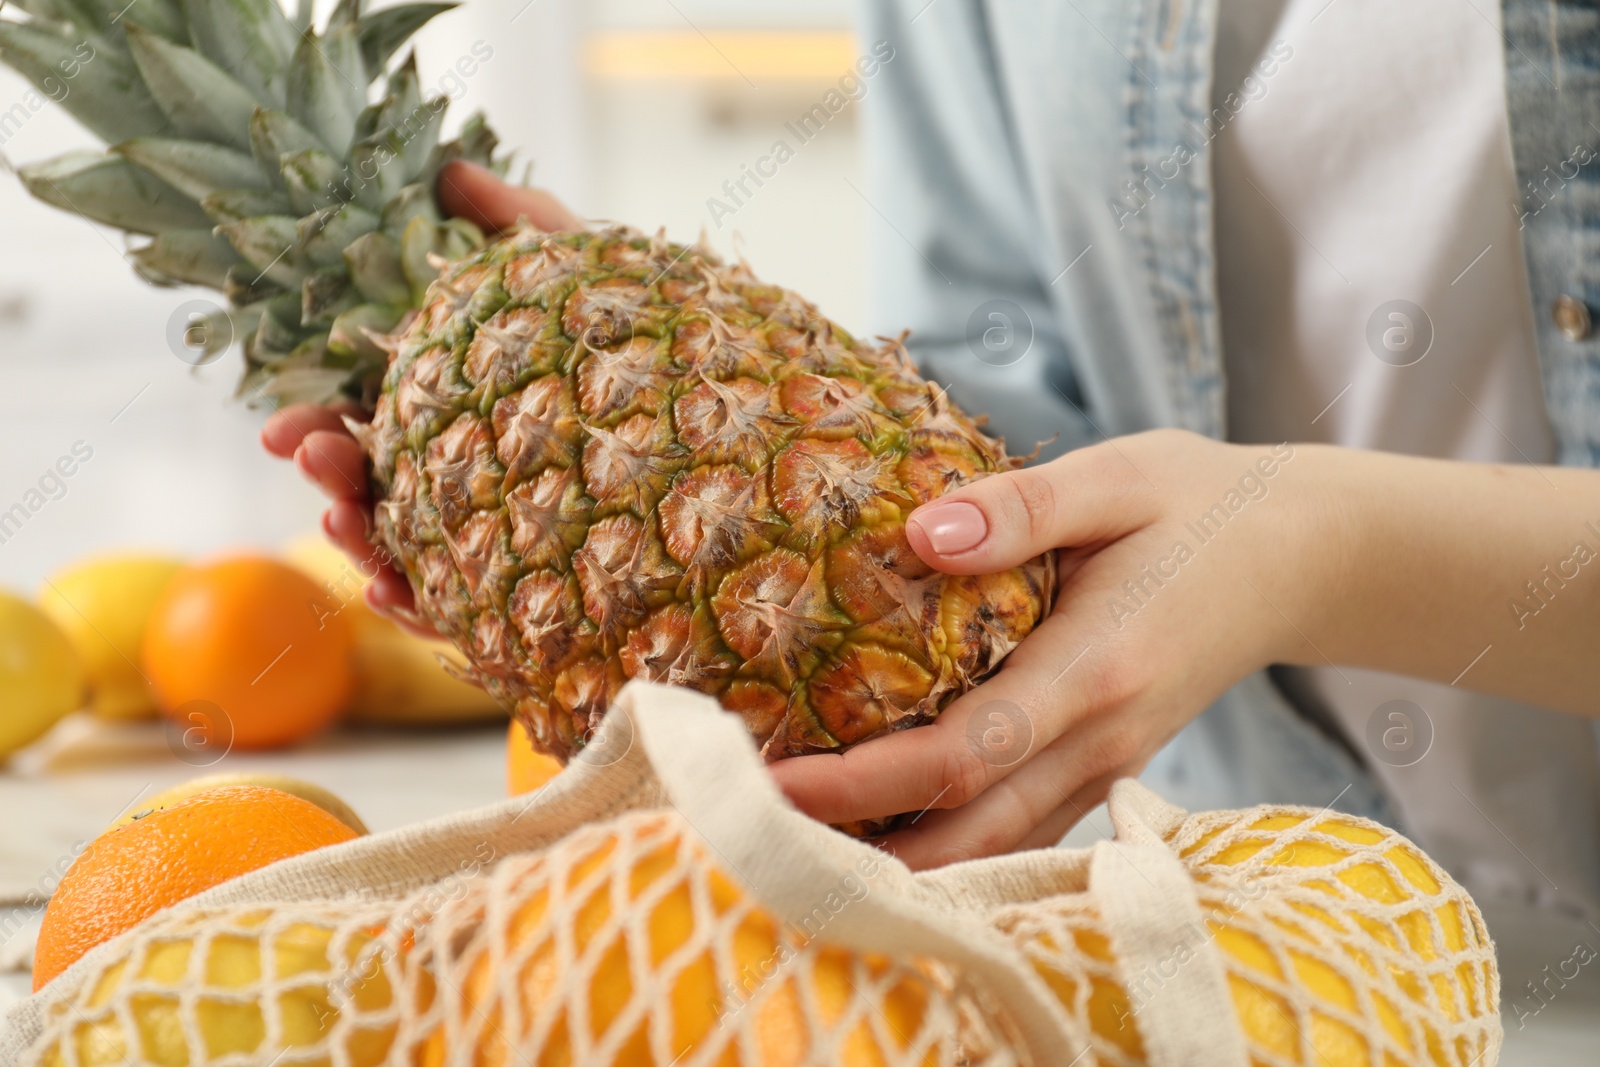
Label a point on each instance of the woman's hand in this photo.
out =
(316, 438)
(1183, 568)
(329, 457)
(1185, 565)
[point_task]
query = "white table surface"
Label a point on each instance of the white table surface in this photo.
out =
(76, 783)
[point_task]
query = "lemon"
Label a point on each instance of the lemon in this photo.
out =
(102, 605)
(229, 1010)
(307, 791)
(41, 677)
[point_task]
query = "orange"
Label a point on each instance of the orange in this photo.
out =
(642, 898)
(131, 872)
(248, 652)
(526, 767)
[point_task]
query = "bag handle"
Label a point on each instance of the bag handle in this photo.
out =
(721, 788)
(1166, 956)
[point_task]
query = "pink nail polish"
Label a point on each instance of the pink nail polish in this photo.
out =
(953, 527)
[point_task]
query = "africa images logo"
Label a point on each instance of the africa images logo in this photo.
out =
(51, 485)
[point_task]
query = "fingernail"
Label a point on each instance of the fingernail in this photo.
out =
(327, 523)
(953, 527)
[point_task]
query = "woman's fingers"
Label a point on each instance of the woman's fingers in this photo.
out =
(1086, 497)
(1148, 628)
(477, 194)
(390, 596)
(335, 463)
(1028, 810)
(348, 524)
(286, 428)
(316, 438)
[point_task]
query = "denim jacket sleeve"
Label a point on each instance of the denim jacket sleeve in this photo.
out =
(996, 140)
(954, 235)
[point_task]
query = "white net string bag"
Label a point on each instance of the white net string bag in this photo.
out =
(660, 904)
(1339, 942)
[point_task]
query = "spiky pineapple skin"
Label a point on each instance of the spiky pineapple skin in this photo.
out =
(599, 456)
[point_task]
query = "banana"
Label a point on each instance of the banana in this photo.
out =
(399, 679)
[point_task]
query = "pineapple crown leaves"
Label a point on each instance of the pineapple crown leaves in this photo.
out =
(289, 168)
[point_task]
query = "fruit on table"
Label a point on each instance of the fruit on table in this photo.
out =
(399, 679)
(526, 767)
(560, 914)
(257, 640)
(1318, 918)
(233, 1017)
(642, 860)
(130, 872)
(596, 455)
(298, 787)
(1350, 949)
(102, 604)
(1363, 918)
(41, 676)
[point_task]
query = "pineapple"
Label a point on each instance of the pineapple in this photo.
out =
(596, 455)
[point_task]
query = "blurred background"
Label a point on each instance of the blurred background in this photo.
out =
(636, 111)
(629, 110)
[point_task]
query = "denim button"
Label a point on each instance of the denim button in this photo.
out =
(1572, 317)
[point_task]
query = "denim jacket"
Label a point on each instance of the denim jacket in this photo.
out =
(1046, 162)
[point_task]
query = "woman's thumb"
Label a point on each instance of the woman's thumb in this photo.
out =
(1006, 519)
